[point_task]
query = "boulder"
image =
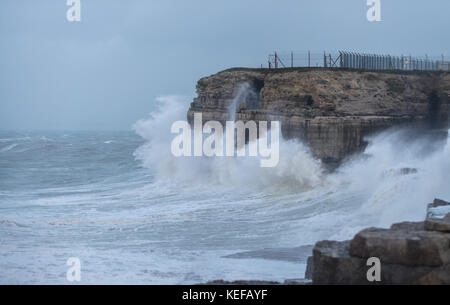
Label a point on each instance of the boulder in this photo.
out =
(438, 209)
(438, 216)
(441, 225)
(409, 253)
(438, 203)
(309, 268)
(439, 276)
(333, 264)
(414, 248)
(409, 226)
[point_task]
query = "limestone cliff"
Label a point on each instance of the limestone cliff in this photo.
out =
(330, 109)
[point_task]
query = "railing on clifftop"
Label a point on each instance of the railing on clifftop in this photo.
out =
(360, 61)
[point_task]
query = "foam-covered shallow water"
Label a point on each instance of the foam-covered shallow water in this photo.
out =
(133, 213)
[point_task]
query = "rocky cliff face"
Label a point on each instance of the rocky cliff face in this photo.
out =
(331, 110)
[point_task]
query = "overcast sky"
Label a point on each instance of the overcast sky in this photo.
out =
(106, 71)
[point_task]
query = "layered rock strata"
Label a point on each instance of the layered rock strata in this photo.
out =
(331, 110)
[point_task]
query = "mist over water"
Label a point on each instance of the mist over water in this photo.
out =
(134, 213)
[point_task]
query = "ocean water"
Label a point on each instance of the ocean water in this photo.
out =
(133, 213)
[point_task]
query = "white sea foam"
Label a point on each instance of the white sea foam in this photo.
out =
(372, 189)
(9, 147)
(297, 168)
(158, 222)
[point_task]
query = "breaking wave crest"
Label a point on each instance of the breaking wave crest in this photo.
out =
(297, 167)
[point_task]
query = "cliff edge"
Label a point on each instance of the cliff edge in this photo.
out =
(330, 109)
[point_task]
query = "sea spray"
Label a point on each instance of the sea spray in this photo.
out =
(98, 203)
(233, 172)
(212, 139)
(371, 189)
(243, 93)
(400, 175)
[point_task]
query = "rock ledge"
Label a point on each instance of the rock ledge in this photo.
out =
(409, 253)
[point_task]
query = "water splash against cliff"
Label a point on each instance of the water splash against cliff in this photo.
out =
(297, 168)
(176, 220)
(243, 93)
(403, 195)
(392, 181)
(398, 174)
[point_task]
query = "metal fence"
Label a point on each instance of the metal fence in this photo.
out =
(298, 59)
(361, 61)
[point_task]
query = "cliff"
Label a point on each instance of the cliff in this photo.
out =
(330, 109)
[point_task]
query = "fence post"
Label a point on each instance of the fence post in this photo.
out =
(309, 59)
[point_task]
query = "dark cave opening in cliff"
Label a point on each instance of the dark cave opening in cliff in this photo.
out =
(434, 110)
(252, 100)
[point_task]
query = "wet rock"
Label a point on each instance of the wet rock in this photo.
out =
(409, 226)
(441, 225)
(438, 216)
(438, 203)
(425, 248)
(439, 276)
(309, 268)
(334, 265)
(438, 209)
(409, 253)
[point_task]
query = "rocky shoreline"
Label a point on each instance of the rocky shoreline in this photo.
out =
(410, 253)
(333, 110)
